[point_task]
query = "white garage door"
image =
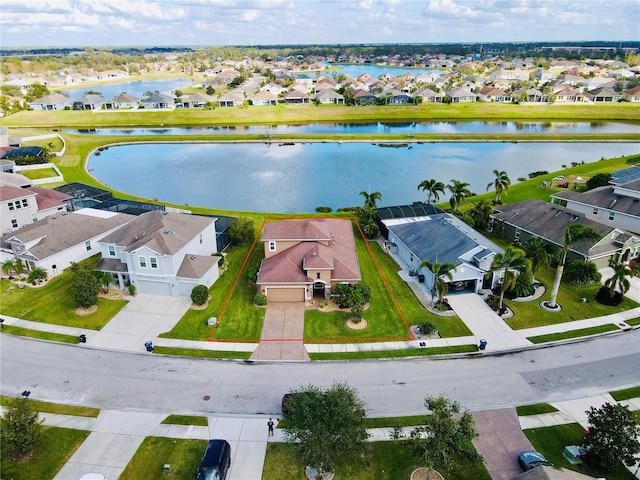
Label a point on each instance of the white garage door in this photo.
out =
(153, 288)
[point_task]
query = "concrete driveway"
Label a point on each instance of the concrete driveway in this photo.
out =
(499, 441)
(141, 320)
(282, 335)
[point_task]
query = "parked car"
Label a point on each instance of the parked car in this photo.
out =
(559, 177)
(529, 459)
(216, 461)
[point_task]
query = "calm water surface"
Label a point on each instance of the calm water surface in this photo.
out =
(301, 177)
(135, 88)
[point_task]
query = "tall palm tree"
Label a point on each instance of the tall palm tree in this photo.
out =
(512, 261)
(459, 191)
(500, 184)
(480, 214)
(619, 280)
(18, 266)
(441, 272)
(539, 254)
(433, 189)
(572, 234)
(370, 199)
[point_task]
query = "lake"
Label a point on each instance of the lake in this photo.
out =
(136, 88)
(300, 177)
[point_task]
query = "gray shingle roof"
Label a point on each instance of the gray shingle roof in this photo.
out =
(605, 197)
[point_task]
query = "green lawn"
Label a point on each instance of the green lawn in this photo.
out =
(535, 409)
(199, 353)
(26, 332)
(186, 420)
(183, 456)
(39, 173)
(581, 332)
(59, 408)
(55, 447)
(626, 394)
(52, 303)
(384, 461)
(550, 441)
(231, 302)
(407, 352)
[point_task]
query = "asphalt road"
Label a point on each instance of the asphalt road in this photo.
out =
(80, 375)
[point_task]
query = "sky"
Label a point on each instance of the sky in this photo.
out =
(111, 23)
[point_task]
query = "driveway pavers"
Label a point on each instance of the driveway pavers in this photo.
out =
(282, 336)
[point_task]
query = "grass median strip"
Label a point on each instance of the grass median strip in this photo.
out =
(582, 332)
(193, 352)
(39, 334)
(626, 394)
(535, 409)
(197, 421)
(408, 352)
(59, 408)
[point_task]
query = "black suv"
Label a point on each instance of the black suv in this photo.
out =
(216, 461)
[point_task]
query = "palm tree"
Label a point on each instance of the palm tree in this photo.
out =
(539, 254)
(512, 261)
(104, 279)
(480, 214)
(18, 266)
(433, 189)
(619, 280)
(500, 184)
(37, 274)
(459, 191)
(440, 271)
(370, 199)
(8, 267)
(572, 234)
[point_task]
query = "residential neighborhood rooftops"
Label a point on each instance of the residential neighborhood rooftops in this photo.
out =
(608, 197)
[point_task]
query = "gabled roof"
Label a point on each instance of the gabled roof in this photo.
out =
(196, 266)
(297, 230)
(48, 198)
(163, 232)
(296, 94)
(329, 94)
(90, 98)
(158, 98)
(60, 232)
(607, 197)
(548, 221)
(17, 180)
(264, 95)
(51, 99)
(197, 98)
(124, 97)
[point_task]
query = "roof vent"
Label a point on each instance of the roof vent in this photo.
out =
(166, 231)
(164, 212)
(63, 213)
(193, 257)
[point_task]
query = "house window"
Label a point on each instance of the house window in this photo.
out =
(411, 258)
(143, 262)
(153, 262)
(14, 223)
(18, 205)
(87, 245)
(612, 215)
(272, 246)
(25, 203)
(112, 251)
(595, 211)
(318, 275)
(200, 238)
(10, 205)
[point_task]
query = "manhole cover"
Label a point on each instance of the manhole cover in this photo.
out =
(206, 398)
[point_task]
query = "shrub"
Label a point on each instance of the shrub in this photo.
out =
(260, 299)
(131, 289)
(538, 173)
(604, 296)
(324, 209)
(199, 294)
(494, 302)
(426, 328)
(252, 273)
(581, 274)
(524, 285)
(241, 231)
(598, 180)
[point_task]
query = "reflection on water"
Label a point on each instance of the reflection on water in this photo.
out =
(484, 128)
(301, 177)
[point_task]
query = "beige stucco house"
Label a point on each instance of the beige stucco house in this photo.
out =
(304, 258)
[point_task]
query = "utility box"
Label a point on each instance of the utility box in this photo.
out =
(572, 454)
(213, 321)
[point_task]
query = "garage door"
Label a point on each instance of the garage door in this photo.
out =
(153, 288)
(285, 294)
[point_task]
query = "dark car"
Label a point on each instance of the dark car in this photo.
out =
(216, 461)
(529, 459)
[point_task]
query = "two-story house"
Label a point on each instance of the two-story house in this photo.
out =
(162, 253)
(307, 257)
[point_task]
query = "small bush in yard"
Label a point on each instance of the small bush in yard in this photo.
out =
(199, 294)
(260, 299)
(426, 328)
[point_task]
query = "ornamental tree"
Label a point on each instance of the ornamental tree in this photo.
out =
(20, 427)
(326, 427)
(612, 437)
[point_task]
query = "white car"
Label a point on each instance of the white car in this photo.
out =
(559, 177)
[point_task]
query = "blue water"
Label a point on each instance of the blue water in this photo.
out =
(301, 177)
(376, 70)
(135, 88)
(407, 128)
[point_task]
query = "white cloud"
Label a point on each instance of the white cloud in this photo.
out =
(251, 15)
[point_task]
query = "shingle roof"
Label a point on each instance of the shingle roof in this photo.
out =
(195, 266)
(10, 193)
(60, 232)
(163, 232)
(605, 197)
(324, 244)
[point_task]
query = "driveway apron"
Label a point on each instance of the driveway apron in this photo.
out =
(282, 333)
(499, 441)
